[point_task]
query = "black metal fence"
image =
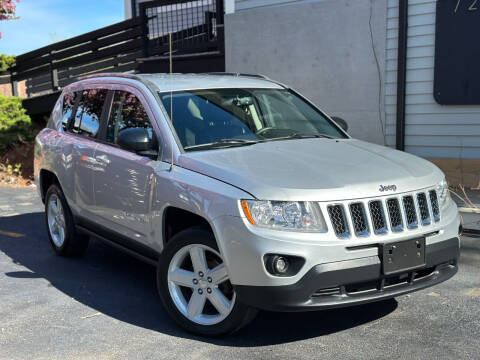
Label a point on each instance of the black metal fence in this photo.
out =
(196, 26)
(112, 48)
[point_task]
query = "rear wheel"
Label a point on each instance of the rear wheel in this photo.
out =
(194, 286)
(60, 226)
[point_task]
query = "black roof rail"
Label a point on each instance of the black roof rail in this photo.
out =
(260, 76)
(111, 74)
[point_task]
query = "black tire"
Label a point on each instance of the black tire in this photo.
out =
(74, 244)
(240, 314)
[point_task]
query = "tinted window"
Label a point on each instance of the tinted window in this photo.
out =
(68, 104)
(127, 112)
(89, 110)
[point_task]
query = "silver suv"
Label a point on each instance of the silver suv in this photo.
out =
(243, 194)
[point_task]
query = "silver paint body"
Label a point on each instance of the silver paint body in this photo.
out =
(129, 194)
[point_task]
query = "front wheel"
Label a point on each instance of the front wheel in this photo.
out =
(194, 286)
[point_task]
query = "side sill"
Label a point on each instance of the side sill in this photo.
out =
(146, 259)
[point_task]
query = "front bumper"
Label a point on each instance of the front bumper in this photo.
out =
(244, 246)
(353, 282)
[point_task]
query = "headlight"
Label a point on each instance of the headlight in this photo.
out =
(284, 215)
(443, 193)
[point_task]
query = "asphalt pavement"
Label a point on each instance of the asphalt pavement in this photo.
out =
(105, 306)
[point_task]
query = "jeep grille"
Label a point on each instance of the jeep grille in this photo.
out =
(435, 208)
(339, 221)
(380, 216)
(423, 206)
(359, 219)
(410, 212)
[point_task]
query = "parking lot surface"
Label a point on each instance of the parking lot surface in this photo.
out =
(105, 306)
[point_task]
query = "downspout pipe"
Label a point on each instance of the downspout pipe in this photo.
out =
(401, 72)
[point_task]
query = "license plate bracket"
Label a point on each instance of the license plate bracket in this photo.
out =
(403, 256)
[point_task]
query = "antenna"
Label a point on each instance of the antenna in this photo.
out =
(171, 92)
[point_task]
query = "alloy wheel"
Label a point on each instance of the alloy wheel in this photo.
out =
(199, 286)
(56, 220)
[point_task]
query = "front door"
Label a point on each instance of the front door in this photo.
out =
(85, 128)
(124, 181)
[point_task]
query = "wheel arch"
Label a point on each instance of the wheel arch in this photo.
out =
(176, 219)
(46, 179)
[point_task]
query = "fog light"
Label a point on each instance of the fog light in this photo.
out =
(280, 264)
(283, 265)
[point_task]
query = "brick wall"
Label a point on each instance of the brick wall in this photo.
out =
(5, 85)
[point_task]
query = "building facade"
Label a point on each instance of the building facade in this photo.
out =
(385, 66)
(344, 55)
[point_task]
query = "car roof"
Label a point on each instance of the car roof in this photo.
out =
(174, 82)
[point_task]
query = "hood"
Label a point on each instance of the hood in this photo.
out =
(314, 169)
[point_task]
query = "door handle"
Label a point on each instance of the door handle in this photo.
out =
(102, 159)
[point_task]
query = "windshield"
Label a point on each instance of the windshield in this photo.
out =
(243, 116)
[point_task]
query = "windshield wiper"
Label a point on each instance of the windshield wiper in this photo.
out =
(224, 143)
(301, 136)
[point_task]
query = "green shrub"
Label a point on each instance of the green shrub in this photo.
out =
(6, 61)
(15, 124)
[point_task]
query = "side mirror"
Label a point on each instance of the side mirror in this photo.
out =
(342, 123)
(138, 141)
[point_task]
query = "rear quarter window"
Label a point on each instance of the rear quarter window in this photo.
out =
(67, 109)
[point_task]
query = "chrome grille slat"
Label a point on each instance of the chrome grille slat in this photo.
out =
(394, 212)
(359, 219)
(363, 218)
(339, 220)
(434, 202)
(423, 207)
(410, 212)
(378, 217)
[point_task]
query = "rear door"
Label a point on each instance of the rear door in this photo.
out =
(124, 181)
(85, 127)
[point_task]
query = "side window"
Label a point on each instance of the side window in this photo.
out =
(127, 112)
(89, 110)
(68, 104)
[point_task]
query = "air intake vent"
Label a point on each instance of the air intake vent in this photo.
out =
(339, 221)
(359, 219)
(395, 216)
(410, 212)
(434, 202)
(423, 206)
(378, 217)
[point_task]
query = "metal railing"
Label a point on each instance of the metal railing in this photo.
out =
(112, 48)
(196, 26)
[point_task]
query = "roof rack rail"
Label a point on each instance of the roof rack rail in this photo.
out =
(110, 74)
(238, 74)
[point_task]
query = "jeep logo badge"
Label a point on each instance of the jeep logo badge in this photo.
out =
(388, 188)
